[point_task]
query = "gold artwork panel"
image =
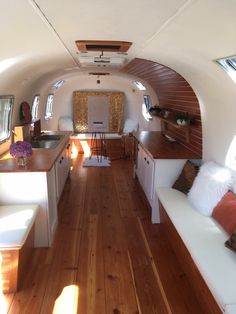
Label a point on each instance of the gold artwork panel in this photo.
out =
(80, 110)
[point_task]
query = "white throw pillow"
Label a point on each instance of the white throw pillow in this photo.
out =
(130, 126)
(65, 124)
(209, 186)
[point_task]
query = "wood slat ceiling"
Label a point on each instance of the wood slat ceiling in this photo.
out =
(174, 93)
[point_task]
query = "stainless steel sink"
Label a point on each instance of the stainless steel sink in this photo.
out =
(49, 137)
(47, 141)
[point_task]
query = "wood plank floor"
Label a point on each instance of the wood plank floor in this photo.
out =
(107, 257)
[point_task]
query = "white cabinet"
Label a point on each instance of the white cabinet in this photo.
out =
(145, 172)
(62, 170)
(33, 188)
(153, 173)
(39, 188)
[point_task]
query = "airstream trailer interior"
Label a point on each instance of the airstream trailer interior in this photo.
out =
(118, 157)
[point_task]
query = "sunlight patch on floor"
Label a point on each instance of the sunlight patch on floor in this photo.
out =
(67, 302)
(86, 148)
(74, 151)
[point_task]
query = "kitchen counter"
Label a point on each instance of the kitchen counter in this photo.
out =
(42, 159)
(160, 148)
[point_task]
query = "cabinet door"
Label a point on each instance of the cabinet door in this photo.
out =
(52, 218)
(60, 175)
(62, 170)
(149, 177)
(140, 166)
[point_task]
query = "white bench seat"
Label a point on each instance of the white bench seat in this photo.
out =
(204, 239)
(16, 243)
(15, 224)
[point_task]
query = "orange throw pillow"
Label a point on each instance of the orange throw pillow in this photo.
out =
(225, 212)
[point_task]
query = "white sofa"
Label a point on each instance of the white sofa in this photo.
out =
(204, 239)
(16, 243)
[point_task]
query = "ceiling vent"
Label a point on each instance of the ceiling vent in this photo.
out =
(99, 73)
(91, 61)
(103, 45)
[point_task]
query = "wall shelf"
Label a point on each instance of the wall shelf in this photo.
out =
(170, 121)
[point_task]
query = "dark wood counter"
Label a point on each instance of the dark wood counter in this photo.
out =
(42, 159)
(160, 148)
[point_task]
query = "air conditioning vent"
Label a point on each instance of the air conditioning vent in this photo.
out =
(99, 73)
(102, 60)
(86, 60)
(103, 45)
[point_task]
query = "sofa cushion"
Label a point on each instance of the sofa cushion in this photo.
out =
(186, 178)
(15, 224)
(209, 186)
(230, 309)
(204, 240)
(225, 212)
(231, 242)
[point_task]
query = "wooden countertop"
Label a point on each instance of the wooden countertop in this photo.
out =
(160, 148)
(42, 159)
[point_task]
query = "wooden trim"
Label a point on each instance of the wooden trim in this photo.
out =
(203, 294)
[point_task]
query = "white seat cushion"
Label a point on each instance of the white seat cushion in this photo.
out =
(230, 309)
(204, 239)
(15, 224)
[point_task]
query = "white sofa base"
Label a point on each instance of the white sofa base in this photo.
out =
(204, 240)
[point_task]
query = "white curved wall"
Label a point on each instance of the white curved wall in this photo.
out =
(185, 35)
(63, 98)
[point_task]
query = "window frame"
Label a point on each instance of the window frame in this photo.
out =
(49, 107)
(147, 101)
(228, 64)
(35, 107)
(7, 122)
(139, 85)
(58, 84)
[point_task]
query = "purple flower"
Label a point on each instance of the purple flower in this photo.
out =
(21, 149)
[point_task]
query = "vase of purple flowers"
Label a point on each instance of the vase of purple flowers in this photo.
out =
(21, 150)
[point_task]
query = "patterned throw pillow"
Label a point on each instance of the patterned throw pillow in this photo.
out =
(231, 243)
(186, 178)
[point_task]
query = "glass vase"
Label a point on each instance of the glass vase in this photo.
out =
(21, 161)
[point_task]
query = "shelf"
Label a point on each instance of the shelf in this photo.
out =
(171, 121)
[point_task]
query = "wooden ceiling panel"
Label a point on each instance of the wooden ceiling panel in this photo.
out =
(174, 93)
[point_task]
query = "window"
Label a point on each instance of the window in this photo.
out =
(35, 106)
(146, 106)
(6, 105)
(58, 84)
(147, 101)
(229, 65)
(48, 112)
(139, 85)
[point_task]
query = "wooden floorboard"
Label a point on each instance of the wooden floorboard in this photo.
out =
(107, 257)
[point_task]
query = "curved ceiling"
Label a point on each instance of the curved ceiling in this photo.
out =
(40, 35)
